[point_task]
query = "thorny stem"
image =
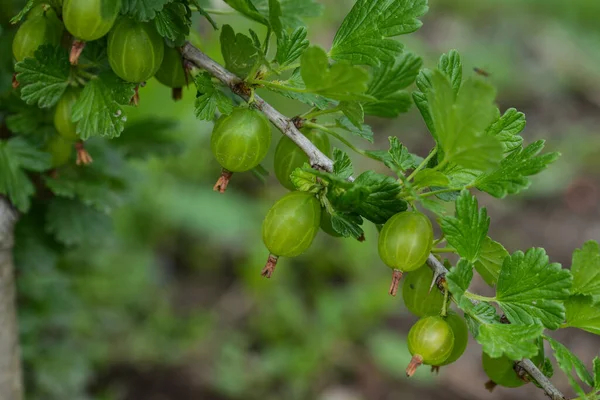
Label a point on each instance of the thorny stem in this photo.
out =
(320, 160)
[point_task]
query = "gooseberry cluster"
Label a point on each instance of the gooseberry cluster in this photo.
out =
(136, 52)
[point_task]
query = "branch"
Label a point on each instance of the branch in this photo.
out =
(10, 360)
(439, 271)
(319, 160)
(285, 125)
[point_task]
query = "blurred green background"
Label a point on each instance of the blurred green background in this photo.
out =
(174, 307)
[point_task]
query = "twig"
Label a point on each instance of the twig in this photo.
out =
(319, 160)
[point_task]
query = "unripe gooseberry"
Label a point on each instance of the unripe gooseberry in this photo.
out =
(405, 242)
(172, 72)
(290, 227)
(89, 20)
(63, 123)
(135, 50)
(239, 142)
(461, 336)
(430, 341)
(60, 150)
(40, 9)
(418, 295)
(501, 370)
(288, 156)
(34, 32)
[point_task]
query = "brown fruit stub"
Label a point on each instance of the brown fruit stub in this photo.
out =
(269, 266)
(223, 181)
(83, 157)
(396, 277)
(15, 82)
(490, 385)
(177, 93)
(76, 50)
(435, 369)
(135, 100)
(415, 363)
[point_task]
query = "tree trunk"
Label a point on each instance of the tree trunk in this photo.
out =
(11, 387)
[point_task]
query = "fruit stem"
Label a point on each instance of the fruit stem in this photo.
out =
(83, 157)
(444, 312)
(269, 266)
(223, 181)
(177, 93)
(396, 277)
(415, 362)
(135, 100)
(76, 50)
(490, 385)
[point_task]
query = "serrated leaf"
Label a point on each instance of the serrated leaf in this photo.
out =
(291, 47)
(531, 289)
(585, 268)
(173, 22)
(451, 66)
(467, 230)
(514, 341)
(43, 79)
(347, 224)
(459, 278)
(33, 249)
(209, 98)
(512, 175)
(388, 80)
(364, 36)
(490, 260)
(568, 361)
(428, 177)
(99, 109)
(460, 122)
(433, 206)
(295, 82)
(597, 373)
(481, 313)
(364, 131)
(17, 156)
(339, 81)
(142, 10)
(248, 9)
(354, 112)
(238, 51)
(420, 100)
(507, 127)
(275, 15)
(342, 165)
(73, 223)
(305, 180)
(583, 313)
(400, 159)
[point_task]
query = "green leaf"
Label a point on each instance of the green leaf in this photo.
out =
(291, 47)
(481, 313)
(597, 373)
(340, 81)
(275, 15)
(583, 313)
(43, 79)
(460, 122)
(73, 223)
(205, 14)
(388, 80)
(28, 6)
(507, 127)
(17, 156)
(238, 51)
(422, 104)
(364, 131)
(354, 112)
(490, 260)
(342, 165)
(209, 98)
(347, 224)
(400, 159)
(295, 82)
(451, 66)
(459, 278)
(514, 341)
(586, 270)
(467, 230)
(99, 109)
(568, 361)
(247, 8)
(173, 22)
(149, 137)
(142, 10)
(512, 175)
(531, 289)
(294, 12)
(428, 177)
(305, 180)
(434, 206)
(33, 249)
(363, 37)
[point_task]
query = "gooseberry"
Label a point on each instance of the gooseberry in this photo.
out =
(430, 341)
(501, 371)
(405, 243)
(290, 227)
(461, 336)
(34, 32)
(288, 156)
(60, 150)
(135, 50)
(419, 298)
(239, 142)
(62, 116)
(172, 72)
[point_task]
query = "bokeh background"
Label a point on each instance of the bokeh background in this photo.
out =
(173, 307)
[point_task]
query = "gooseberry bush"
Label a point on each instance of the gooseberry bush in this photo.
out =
(80, 65)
